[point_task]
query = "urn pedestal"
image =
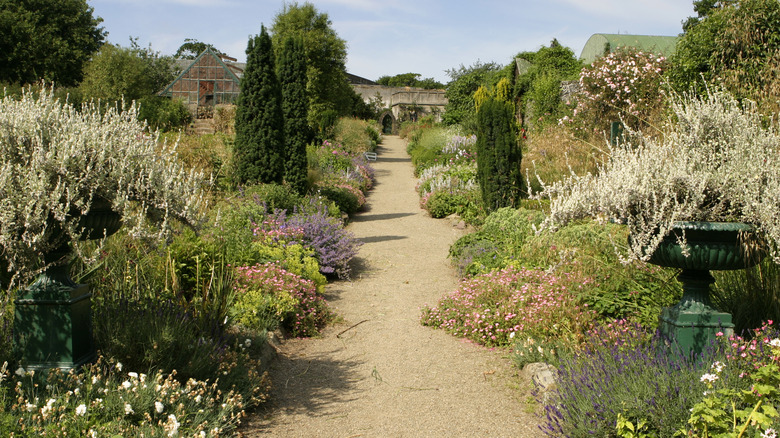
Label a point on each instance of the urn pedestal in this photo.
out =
(693, 323)
(53, 316)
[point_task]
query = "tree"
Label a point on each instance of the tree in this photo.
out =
(292, 75)
(330, 94)
(737, 44)
(460, 91)
(538, 89)
(191, 48)
(131, 73)
(498, 155)
(409, 80)
(259, 144)
(47, 39)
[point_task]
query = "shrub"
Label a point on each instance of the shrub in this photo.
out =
(109, 399)
(259, 122)
(163, 113)
(750, 295)
(621, 86)
(495, 307)
(333, 245)
(268, 292)
(498, 155)
(357, 136)
(274, 196)
(442, 204)
(624, 375)
(344, 198)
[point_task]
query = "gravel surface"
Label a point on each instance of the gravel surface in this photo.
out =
(377, 372)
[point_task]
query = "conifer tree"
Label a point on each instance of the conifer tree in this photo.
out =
(295, 108)
(259, 147)
(498, 155)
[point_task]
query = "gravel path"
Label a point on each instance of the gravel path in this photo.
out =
(378, 372)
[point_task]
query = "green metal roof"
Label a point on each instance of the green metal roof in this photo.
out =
(598, 44)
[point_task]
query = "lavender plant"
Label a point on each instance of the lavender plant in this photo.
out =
(627, 376)
(333, 245)
(717, 160)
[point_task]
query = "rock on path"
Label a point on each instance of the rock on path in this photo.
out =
(378, 372)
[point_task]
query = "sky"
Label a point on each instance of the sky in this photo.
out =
(389, 37)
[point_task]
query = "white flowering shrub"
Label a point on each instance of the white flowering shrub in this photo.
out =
(57, 160)
(622, 85)
(715, 162)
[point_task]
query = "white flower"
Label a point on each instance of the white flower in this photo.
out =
(709, 378)
(126, 384)
(129, 409)
(81, 410)
(775, 342)
(769, 433)
(248, 343)
(20, 372)
(718, 366)
(198, 398)
(512, 335)
(158, 407)
(94, 379)
(172, 426)
(119, 366)
(133, 375)
(30, 407)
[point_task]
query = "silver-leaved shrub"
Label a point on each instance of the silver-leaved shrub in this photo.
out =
(57, 160)
(716, 160)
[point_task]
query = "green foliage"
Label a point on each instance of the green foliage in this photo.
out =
(636, 291)
(109, 399)
(131, 73)
(191, 48)
(292, 75)
(409, 80)
(47, 39)
(442, 204)
(356, 136)
(274, 196)
(330, 95)
(625, 428)
(344, 198)
(626, 86)
(734, 44)
(425, 146)
(163, 113)
(539, 87)
(750, 295)
(460, 108)
(498, 155)
(259, 148)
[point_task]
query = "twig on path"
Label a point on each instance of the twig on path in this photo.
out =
(350, 328)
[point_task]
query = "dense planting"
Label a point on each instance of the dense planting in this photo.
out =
(195, 309)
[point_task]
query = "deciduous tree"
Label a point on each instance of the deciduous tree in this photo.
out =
(330, 94)
(47, 39)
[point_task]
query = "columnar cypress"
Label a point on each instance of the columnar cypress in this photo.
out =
(259, 148)
(498, 155)
(295, 108)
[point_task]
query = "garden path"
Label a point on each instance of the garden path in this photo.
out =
(378, 372)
